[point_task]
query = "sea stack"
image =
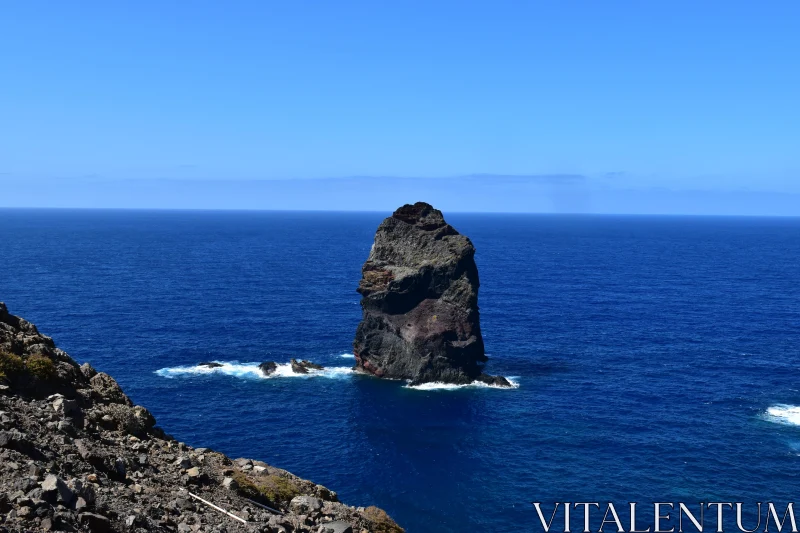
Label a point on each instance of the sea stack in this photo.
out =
(419, 291)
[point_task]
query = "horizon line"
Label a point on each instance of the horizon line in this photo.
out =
(367, 211)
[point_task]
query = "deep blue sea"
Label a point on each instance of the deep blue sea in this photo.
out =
(657, 357)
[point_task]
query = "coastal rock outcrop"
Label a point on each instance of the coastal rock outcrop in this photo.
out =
(419, 291)
(76, 454)
(302, 367)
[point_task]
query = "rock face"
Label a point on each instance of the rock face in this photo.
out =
(419, 291)
(77, 455)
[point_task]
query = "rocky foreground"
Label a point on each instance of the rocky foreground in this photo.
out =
(419, 291)
(77, 455)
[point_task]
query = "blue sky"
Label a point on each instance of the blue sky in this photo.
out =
(161, 104)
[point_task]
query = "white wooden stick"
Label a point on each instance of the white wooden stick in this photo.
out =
(220, 509)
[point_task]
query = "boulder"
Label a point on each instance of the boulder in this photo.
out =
(419, 291)
(305, 505)
(210, 364)
(88, 370)
(54, 489)
(268, 368)
(94, 522)
(107, 389)
(338, 526)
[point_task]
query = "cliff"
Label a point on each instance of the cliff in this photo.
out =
(419, 290)
(77, 455)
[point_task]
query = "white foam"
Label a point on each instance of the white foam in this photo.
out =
(438, 385)
(348, 356)
(251, 371)
(784, 414)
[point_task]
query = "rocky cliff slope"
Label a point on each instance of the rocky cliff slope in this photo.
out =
(419, 290)
(77, 455)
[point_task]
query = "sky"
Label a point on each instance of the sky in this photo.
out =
(576, 106)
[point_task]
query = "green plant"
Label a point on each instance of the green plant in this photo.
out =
(279, 489)
(41, 367)
(382, 522)
(274, 489)
(10, 364)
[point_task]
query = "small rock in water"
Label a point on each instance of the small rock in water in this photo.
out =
(210, 364)
(268, 368)
(302, 367)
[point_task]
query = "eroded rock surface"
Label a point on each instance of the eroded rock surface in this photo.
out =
(419, 290)
(77, 455)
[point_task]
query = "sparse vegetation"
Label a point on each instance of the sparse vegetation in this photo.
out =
(10, 364)
(40, 366)
(275, 489)
(382, 522)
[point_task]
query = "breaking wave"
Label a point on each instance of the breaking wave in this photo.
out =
(784, 414)
(437, 385)
(251, 371)
(348, 356)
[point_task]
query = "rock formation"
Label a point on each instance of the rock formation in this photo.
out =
(268, 368)
(302, 367)
(419, 290)
(77, 455)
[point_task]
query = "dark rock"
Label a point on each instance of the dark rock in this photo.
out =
(302, 367)
(495, 381)
(120, 468)
(54, 489)
(94, 522)
(268, 368)
(419, 291)
(16, 440)
(210, 364)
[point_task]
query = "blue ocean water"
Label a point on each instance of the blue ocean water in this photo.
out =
(657, 357)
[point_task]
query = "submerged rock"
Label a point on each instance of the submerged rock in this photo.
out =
(268, 368)
(210, 364)
(302, 367)
(419, 290)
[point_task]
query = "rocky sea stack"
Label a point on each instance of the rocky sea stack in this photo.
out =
(77, 455)
(419, 291)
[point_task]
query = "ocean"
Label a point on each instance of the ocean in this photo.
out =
(656, 358)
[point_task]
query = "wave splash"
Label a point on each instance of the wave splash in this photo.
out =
(784, 414)
(438, 385)
(251, 371)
